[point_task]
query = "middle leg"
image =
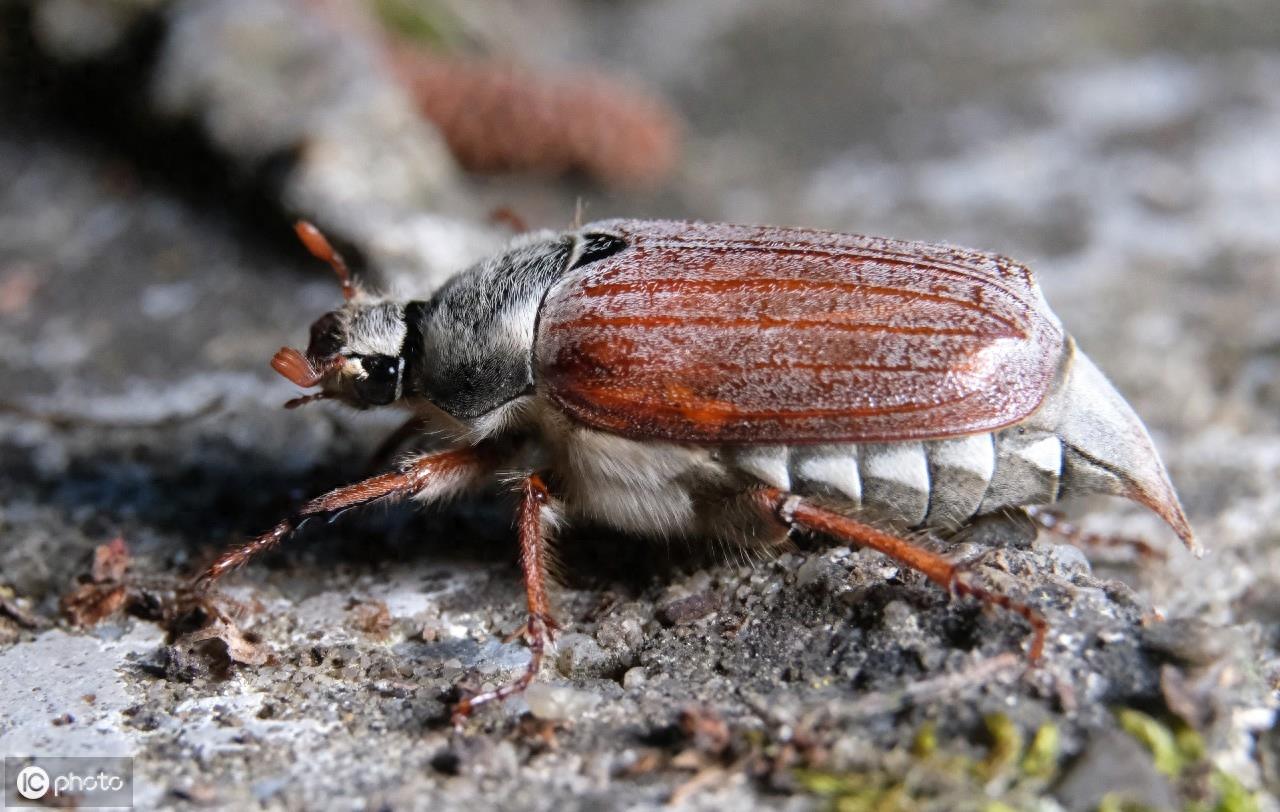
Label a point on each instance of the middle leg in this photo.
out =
(540, 626)
(1051, 521)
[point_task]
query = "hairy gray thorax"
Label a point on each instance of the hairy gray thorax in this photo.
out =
(478, 330)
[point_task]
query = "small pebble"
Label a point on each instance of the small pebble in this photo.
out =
(556, 702)
(683, 611)
(1070, 558)
(900, 617)
(816, 569)
(634, 678)
(579, 655)
(623, 628)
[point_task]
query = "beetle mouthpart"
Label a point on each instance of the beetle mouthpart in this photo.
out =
(294, 365)
(304, 400)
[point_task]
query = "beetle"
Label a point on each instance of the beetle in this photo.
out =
(699, 380)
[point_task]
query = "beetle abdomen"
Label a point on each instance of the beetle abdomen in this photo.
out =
(939, 484)
(959, 471)
(1084, 439)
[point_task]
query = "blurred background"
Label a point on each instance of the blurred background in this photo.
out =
(154, 152)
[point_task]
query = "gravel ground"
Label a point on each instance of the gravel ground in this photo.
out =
(1128, 153)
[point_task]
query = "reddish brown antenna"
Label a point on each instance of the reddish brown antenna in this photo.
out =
(298, 368)
(509, 217)
(323, 251)
(295, 366)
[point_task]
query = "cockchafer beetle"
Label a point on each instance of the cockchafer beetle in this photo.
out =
(699, 380)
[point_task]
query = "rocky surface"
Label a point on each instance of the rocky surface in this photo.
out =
(1129, 154)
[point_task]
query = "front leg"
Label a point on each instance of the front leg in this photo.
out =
(429, 477)
(538, 630)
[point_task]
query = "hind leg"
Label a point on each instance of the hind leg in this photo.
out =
(791, 510)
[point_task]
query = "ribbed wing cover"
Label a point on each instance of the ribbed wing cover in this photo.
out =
(711, 333)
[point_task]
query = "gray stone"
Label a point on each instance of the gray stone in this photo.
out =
(1114, 764)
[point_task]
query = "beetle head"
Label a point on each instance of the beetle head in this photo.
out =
(356, 352)
(468, 351)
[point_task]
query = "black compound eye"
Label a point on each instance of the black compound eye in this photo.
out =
(382, 379)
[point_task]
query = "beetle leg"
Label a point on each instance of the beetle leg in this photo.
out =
(432, 476)
(509, 217)
(792, 510)
(540, 627)
(1053, 522)
(395, 440)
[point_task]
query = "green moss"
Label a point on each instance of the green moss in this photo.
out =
(1117, 802)
(1176, 748)
(1006, 745)
(855, 791)
(933, 773)
(421, 21)
(822, 783)
(1232, 795)
(756, 739)
(1189, 742)
(926, 741)
(1041, 760)
(930, 774)
(1156, 737)
(892, 799)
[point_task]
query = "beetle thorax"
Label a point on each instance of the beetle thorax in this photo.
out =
(477, 332)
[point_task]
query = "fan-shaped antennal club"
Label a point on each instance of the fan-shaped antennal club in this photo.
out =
(294, 365)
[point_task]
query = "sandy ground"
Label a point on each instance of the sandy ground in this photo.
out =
(1128, 154)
